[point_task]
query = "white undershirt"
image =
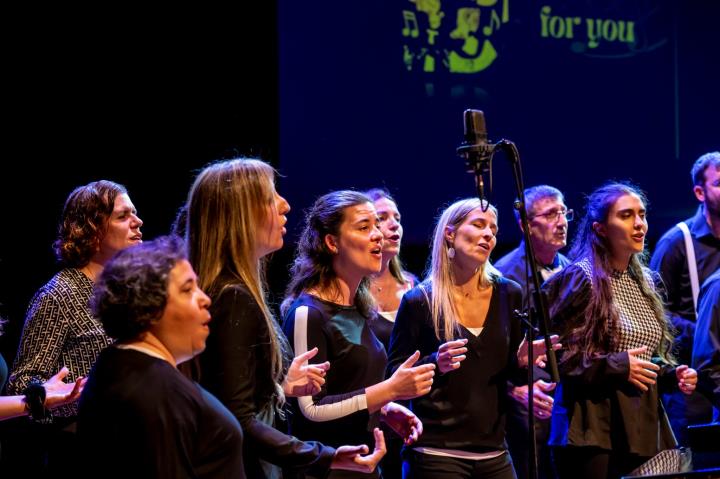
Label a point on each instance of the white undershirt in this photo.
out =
(389, 315)
(473, 456)
(475, 331)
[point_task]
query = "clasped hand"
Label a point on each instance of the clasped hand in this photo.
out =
(542, 402)
(644, 373)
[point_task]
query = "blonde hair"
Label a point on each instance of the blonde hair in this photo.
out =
(444, 313)
(226, 204)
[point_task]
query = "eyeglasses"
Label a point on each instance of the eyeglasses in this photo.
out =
(554, 215)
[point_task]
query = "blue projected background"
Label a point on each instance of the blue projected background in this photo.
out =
(372, 94)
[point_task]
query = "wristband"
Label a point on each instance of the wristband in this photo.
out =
(35, 403)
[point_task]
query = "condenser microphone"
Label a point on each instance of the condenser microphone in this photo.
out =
(475, 149)
(475, 129)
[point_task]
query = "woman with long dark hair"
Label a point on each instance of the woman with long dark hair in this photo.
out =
(329, 307)
(607, 418)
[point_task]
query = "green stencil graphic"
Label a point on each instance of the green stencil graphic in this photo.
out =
(454, 47)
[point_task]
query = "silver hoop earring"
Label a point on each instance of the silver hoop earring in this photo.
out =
(451, 252)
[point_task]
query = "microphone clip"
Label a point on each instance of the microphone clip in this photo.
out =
(478, 157)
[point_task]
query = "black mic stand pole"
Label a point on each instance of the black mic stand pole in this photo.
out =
(538, 313)
(479, 158)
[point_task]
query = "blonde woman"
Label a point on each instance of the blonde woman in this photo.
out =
(461, 318)
(235, 218)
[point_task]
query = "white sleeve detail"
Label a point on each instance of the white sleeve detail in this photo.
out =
(324, 412)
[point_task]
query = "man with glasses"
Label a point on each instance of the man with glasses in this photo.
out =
(548, 219)
(689, 253)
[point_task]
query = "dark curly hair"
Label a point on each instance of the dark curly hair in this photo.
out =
(131, 293)
(84, 221)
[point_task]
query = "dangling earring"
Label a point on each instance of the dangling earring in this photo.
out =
(451, 252)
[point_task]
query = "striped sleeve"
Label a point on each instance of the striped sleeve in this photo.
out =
(308, 331)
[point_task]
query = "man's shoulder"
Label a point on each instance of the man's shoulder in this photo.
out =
(712, 283)
(510, 260)
(674, 234)
(672, 241)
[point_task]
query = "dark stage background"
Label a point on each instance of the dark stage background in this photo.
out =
(341, 94)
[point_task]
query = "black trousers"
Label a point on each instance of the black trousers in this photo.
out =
(517, 435)
(426, 466)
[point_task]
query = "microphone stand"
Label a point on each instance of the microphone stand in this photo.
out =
(479, 161)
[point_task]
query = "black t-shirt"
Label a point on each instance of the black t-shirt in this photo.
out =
(140, 417)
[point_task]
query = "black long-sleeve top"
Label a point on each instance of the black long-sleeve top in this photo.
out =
(140, 417)
(338, 414)
(236, 368)
(595, 404)
(465, 409)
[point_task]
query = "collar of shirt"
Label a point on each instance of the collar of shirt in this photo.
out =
(699, 226)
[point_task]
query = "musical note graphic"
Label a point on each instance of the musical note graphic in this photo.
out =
(411, 26)
(494, 21)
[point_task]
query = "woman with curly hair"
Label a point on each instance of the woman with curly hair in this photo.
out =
(138, 415)
(98, 220)
(607, 418)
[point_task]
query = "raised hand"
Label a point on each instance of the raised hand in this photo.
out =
(642, 373)
(539, 351)
(305, 379)
(451, 354)
(351, 458)
(403, 421)
(58, 392)
(687, 378)
(408, 382)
